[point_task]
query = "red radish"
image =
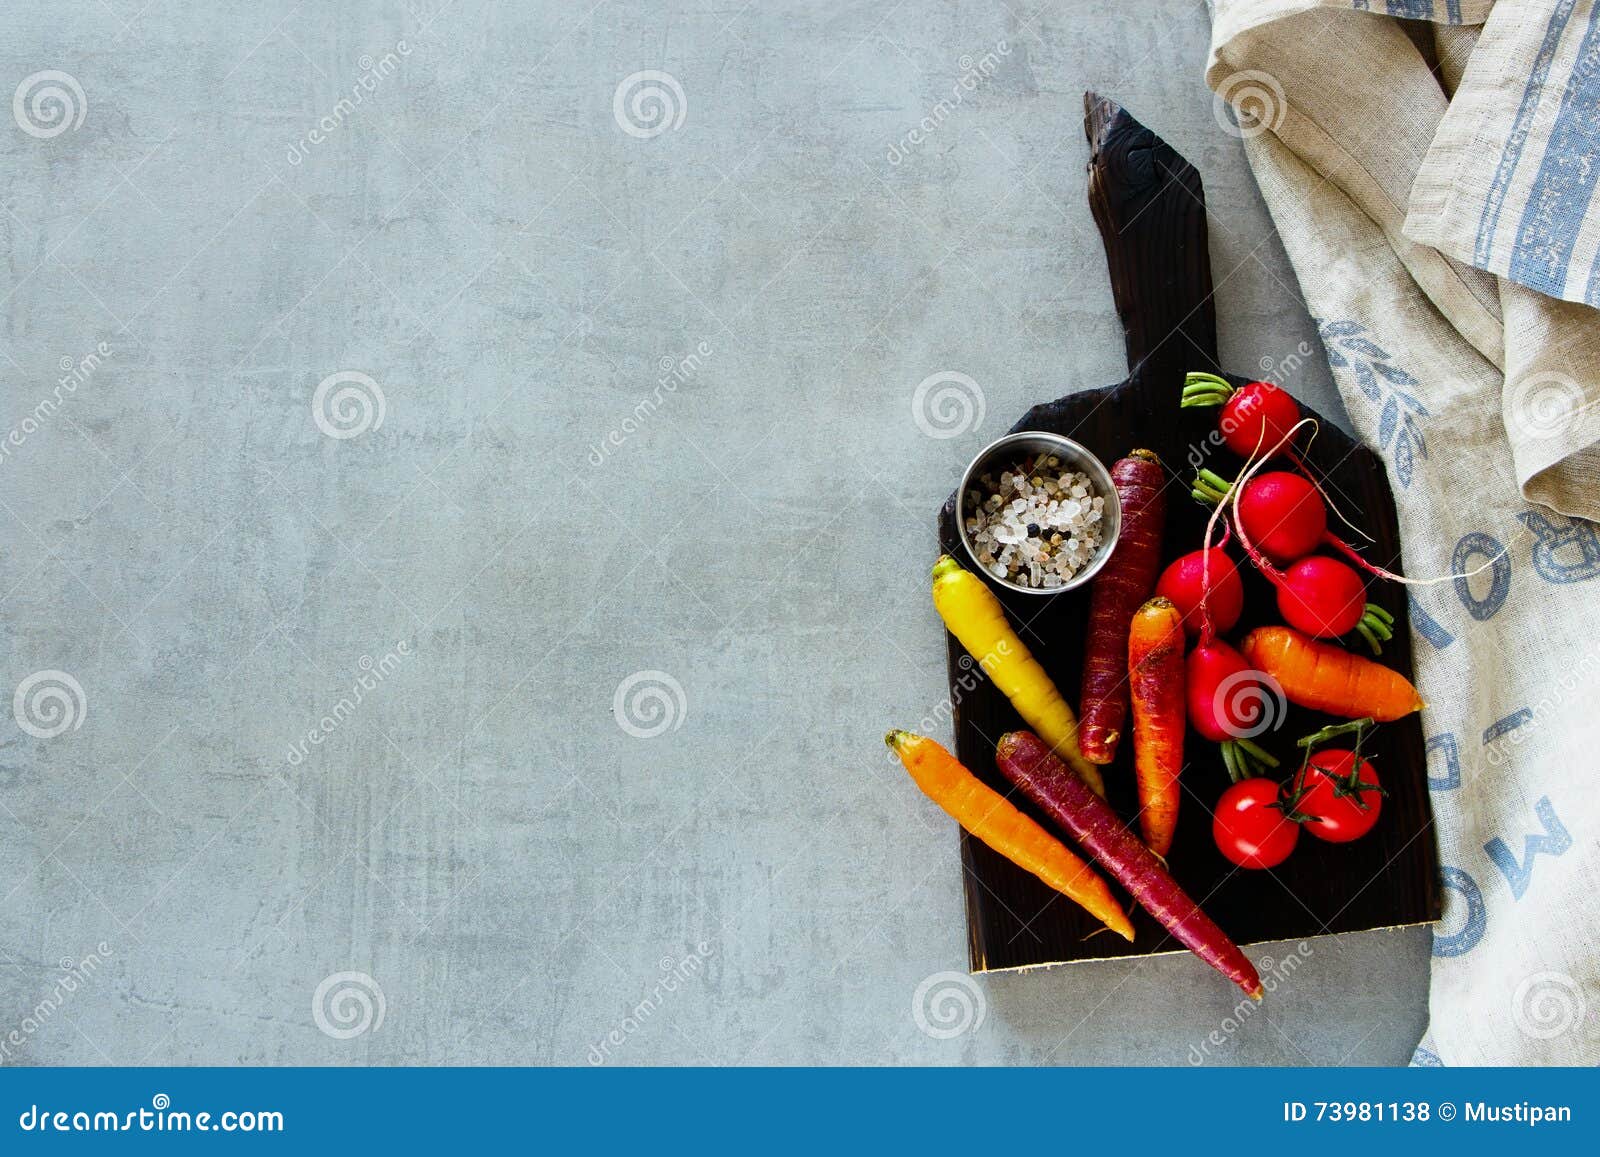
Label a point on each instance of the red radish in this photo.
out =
(1283, 515)
(1279, 515)
(1184, 582)
(1117, 592)
(1255, 417)
(1322, 597)
(1024, 759)
(1281, 518)
(1229, 704)
(1215, 676)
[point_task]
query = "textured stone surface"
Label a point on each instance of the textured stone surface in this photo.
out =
(480, 237)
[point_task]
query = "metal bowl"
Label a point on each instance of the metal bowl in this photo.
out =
(1008, 452)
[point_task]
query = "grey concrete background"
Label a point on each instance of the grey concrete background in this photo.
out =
(479, 235)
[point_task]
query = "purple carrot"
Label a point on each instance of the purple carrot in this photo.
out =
(1127, 580)
(1024, 759)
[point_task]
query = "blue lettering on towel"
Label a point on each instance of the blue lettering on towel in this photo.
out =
(1477, 922)
(1553, 841)
(1429, 627)
(1486, 546)
(1509, 723)
(1564, 552)
(1445, 744)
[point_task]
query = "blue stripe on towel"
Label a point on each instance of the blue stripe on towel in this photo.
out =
(1452, 11)
(1591, 295)
(1512, 154)
(1410, 9)
(1567, 175)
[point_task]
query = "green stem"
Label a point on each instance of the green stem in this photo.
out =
(1201, 389)
(1210, 487)
(1333, 731)
(1230, 760)
(1245, 759)
(1258, 753)
(1376, 627)
(1354, 785)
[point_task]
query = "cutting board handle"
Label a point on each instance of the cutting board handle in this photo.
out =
(1150, 207)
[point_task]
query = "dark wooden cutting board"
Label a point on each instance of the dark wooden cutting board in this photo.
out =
(1150, 207)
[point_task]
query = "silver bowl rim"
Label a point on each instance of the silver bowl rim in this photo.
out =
(1099, 478)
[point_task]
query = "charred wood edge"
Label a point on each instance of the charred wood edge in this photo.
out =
(1149, 205)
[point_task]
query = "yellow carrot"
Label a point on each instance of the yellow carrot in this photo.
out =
(973, 615)
(989, 816)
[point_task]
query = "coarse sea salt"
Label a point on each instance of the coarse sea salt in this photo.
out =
(1036, 524)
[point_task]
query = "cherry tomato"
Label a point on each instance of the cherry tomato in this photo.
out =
(1249, 829)
(1342, 807)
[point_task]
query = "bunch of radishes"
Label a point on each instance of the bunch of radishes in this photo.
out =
(1281, 519)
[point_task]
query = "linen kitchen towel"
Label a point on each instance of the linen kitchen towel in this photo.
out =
(1377, 143)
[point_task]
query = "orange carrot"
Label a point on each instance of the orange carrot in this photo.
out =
(1155, 683)
(1328, 678)
(990, 817)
